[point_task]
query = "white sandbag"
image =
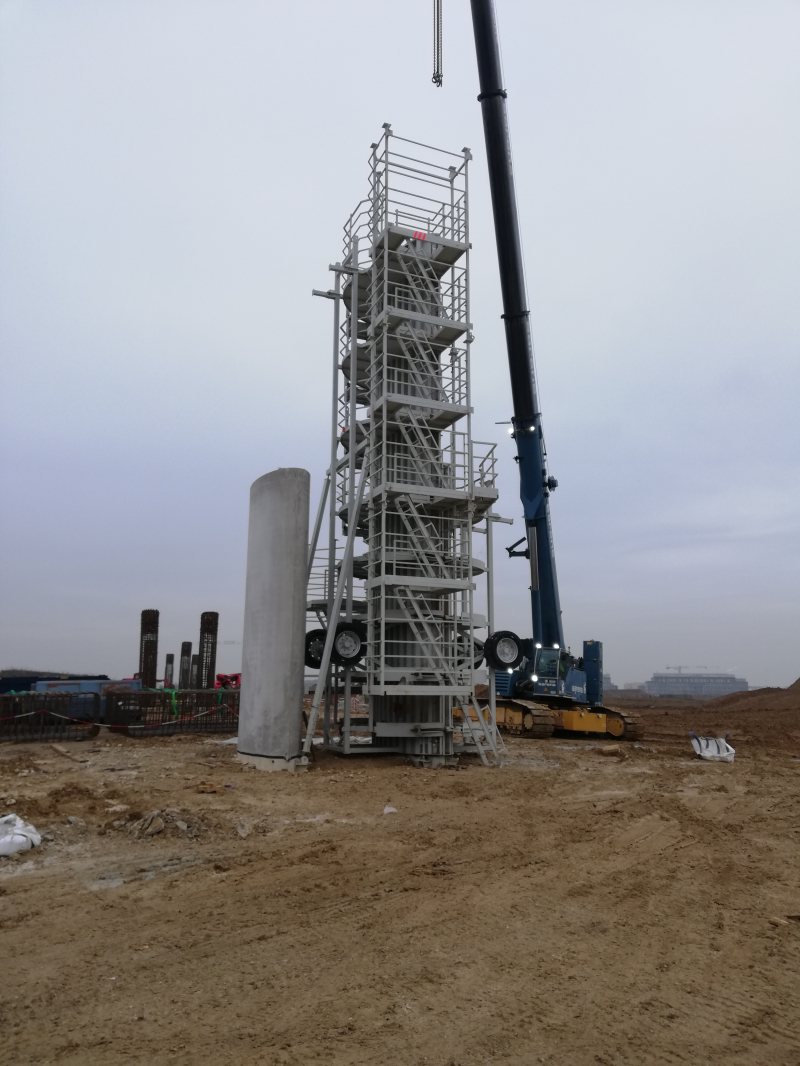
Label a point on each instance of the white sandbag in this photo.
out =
(715, 749)
(16, 835)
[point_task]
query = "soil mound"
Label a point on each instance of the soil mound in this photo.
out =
(762, 699)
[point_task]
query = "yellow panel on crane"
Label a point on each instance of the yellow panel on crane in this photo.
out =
(583, 721)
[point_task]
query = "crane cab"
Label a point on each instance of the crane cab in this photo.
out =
(553, 673)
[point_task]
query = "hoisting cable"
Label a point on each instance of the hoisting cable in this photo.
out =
(437, 43)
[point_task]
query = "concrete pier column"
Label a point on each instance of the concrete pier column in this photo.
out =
(273, 645)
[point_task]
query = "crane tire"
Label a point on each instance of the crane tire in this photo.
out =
(503, 650)
(315, 645)
(349, 643)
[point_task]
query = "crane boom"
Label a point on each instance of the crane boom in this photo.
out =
(535, 485)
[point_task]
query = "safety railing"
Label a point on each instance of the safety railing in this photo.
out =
(343, 488)
(410, 456)
(423, 647)
(448, 300)
(484, 464)
(419, 187)
(418, 545)
(318, 587)
(319, 579)
(416, 369)
(411, 286)
(359, 225)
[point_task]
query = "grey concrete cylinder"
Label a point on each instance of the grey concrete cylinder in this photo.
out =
(273, 645)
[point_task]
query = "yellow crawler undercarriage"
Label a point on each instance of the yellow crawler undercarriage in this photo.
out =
(525, 718)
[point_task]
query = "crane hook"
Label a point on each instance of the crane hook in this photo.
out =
(437, 43)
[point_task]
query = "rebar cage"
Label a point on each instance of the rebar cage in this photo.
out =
(147, 714)
(406, 330)
(26, 716)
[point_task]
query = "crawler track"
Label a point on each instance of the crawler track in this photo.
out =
(537, 720)
(632, 724)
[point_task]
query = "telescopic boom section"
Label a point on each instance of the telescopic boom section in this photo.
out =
(535, 486)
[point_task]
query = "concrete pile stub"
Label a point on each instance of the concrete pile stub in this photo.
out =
(273, 644)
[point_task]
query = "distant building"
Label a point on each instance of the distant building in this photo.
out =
(634, 686)
(608, 684)
(693, 686)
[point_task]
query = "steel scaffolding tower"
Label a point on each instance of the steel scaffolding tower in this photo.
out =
(411, 483)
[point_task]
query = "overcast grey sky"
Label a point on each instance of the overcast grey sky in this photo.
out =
(174, 178)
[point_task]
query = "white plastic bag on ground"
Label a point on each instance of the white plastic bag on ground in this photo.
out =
(715, 749)
(16, 835)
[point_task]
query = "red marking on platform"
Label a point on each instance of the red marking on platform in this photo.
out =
(420, 236)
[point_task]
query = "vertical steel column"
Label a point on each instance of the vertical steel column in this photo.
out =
(352, 517)
(470, 472)
(490, 520)
(328, 677)
(490, 612)
(375, 514)
(387, 131)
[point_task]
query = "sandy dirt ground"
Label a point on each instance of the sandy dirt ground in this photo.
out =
(569, 907)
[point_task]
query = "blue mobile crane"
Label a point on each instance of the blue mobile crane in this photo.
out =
(545, 687)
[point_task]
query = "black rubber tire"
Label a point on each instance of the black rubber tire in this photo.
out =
(349, 643)
(498, 647)
(479, 654)
(315, 645)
